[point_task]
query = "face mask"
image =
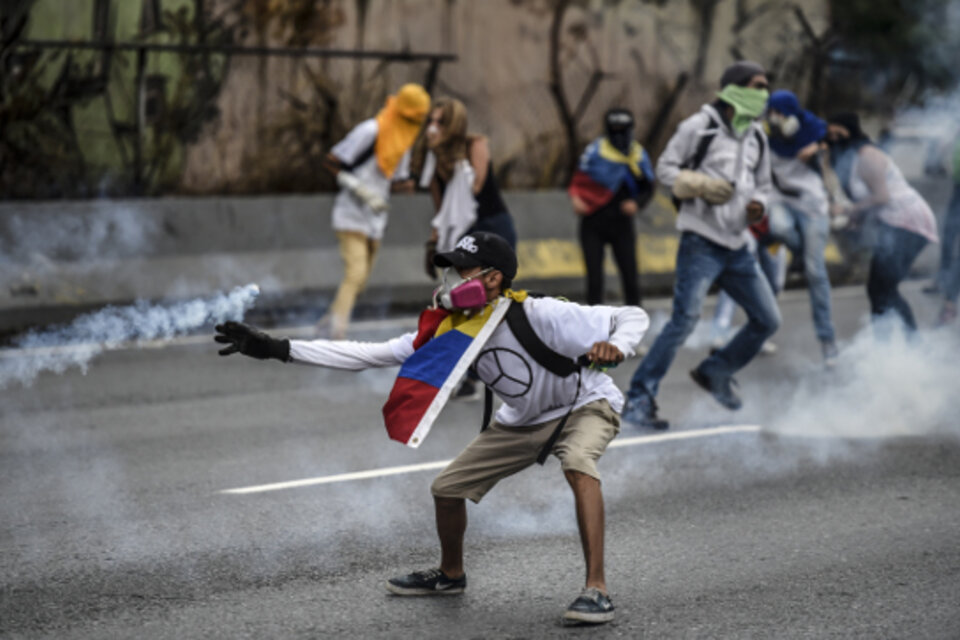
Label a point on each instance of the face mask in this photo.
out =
(787, 126)
(433, 129)
(748, 104)
(621, 139)
(456, 293)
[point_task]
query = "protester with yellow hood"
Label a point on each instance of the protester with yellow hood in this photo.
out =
(364, 163)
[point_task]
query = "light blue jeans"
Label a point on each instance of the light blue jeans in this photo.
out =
(807, 235)
(700, 262)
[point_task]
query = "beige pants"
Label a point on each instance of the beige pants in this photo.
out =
(358, 252)
(501, 451)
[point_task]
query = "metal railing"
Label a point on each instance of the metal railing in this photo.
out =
(143, 49)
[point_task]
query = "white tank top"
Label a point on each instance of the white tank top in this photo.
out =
(906, 208)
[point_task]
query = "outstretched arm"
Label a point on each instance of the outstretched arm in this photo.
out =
(335, 354)
(350, 355)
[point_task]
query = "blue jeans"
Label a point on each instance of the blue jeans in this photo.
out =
(700, 263)
(807, 234)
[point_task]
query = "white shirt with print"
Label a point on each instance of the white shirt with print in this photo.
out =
(530, 393)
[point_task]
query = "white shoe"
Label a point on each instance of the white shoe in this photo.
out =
(768, 348)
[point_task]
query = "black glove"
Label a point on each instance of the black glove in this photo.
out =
(251, 342)
(431, 250)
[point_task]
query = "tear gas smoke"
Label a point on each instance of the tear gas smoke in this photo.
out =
(76, 344)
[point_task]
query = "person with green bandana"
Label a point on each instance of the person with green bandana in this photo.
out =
(717, 165)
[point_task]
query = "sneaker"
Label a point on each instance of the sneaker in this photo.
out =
(591, 606)
(641, 411)
(431, 582)
(468, 391)
(768, 348)
(721, 390)
(830, 353)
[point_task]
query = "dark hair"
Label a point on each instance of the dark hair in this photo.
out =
(851, 122)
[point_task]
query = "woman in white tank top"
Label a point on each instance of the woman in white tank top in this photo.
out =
(877, 188)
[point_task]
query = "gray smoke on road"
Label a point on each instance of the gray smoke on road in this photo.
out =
(76, 344)
(885, 384)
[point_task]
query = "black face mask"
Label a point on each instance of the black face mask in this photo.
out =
(621, 139)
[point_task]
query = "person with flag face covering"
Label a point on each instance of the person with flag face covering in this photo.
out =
(614, 180)
(364, 163)
(718, 167)
(556, 397)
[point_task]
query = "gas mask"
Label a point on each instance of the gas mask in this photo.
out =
(788, 126)
(461, 294)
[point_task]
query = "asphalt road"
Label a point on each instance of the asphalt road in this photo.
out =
(839, 518)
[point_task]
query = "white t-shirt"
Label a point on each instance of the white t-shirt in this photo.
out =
(349, 214)
(530, 393)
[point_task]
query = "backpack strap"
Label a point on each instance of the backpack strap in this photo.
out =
(487, 407)
(694, 162)
(763, 147)
(360, 159)
(703, 145)
(547, 358)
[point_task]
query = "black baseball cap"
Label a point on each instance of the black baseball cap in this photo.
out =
(481, 249)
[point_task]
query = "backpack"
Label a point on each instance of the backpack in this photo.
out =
(555, 363)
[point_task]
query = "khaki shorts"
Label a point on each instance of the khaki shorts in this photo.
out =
(501, 451)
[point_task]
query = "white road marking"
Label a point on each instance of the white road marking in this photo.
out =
(426, 466)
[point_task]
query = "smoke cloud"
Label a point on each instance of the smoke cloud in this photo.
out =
(76, 344)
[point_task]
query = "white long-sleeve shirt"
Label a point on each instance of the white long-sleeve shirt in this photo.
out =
(530, 393)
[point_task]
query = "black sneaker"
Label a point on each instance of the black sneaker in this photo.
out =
(641, 411)
(721, 390)
(431, 582)
(468, 391)
(591, 606)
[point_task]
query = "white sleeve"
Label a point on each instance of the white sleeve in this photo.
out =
(402, 172)
(627, 328)
(360, 138)
(572, 329)
(353, 356)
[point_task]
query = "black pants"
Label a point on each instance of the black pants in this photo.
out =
(609, 226)
(894, 253)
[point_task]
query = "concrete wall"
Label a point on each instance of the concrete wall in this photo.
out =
(60, 258)
(57, 258)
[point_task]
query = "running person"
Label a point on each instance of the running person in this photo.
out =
(364, 163)
(876, 188)
(526, 423)
(718, 167)
(800, 209)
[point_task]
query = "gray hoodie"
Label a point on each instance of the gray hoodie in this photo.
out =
(741, 161)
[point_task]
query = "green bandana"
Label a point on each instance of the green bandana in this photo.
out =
(748, 105)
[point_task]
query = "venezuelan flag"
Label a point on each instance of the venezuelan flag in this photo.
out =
(602, 170)
(446, 345)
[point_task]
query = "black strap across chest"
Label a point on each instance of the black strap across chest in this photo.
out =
(547, 358)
